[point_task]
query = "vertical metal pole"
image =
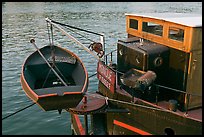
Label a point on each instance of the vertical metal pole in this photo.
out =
(157, 93)
(52, 43)
(92, 128)
(52, 46)
(187, 98)
(71, 37)
(102, 39)
(185, 72)
(106, 60)
(111, 56)
(132, 90)
(85, 116)
(86, 124)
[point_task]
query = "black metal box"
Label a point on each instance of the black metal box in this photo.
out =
(144, 56)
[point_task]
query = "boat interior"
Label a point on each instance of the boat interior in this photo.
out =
(42, 79)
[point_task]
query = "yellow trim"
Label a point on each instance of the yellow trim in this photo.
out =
(189, 63)
(184, 45)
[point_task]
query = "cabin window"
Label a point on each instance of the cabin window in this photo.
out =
(153, 28)
(134, 24)
(176, 34)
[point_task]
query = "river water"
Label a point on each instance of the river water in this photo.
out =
(24, 20)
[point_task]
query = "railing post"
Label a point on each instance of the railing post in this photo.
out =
(102, 39)
(187, 98)
(86, 124)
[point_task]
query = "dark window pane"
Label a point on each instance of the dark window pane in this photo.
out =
(153, 28)
(133, 24)
(176, 33)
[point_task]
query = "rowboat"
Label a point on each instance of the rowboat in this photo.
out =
(44, 87)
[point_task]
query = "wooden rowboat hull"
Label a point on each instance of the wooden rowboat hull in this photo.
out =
(45, 89)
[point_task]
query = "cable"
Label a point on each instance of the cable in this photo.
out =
(81, 35)
(76, 28)
(30, 105)
(124, 102)
(18, 111)
(93, 75)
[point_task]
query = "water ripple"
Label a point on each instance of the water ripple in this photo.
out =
(25, 20)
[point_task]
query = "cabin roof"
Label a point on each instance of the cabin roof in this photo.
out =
(192, 20)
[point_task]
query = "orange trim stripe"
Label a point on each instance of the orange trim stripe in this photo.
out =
(55, 94)
(47, 95)
(67, 93)
(134, 129)
(78, 122)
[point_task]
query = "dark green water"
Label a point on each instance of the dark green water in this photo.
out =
(24, 20)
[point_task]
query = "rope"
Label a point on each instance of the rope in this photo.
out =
(176, 90)
(124, 102)
(93, 75)
(31, 105)
(18, 111)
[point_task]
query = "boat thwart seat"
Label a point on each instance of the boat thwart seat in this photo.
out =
(59, 90)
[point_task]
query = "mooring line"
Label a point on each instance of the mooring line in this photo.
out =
(32, 104)
(18, 111)
(93, 75)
